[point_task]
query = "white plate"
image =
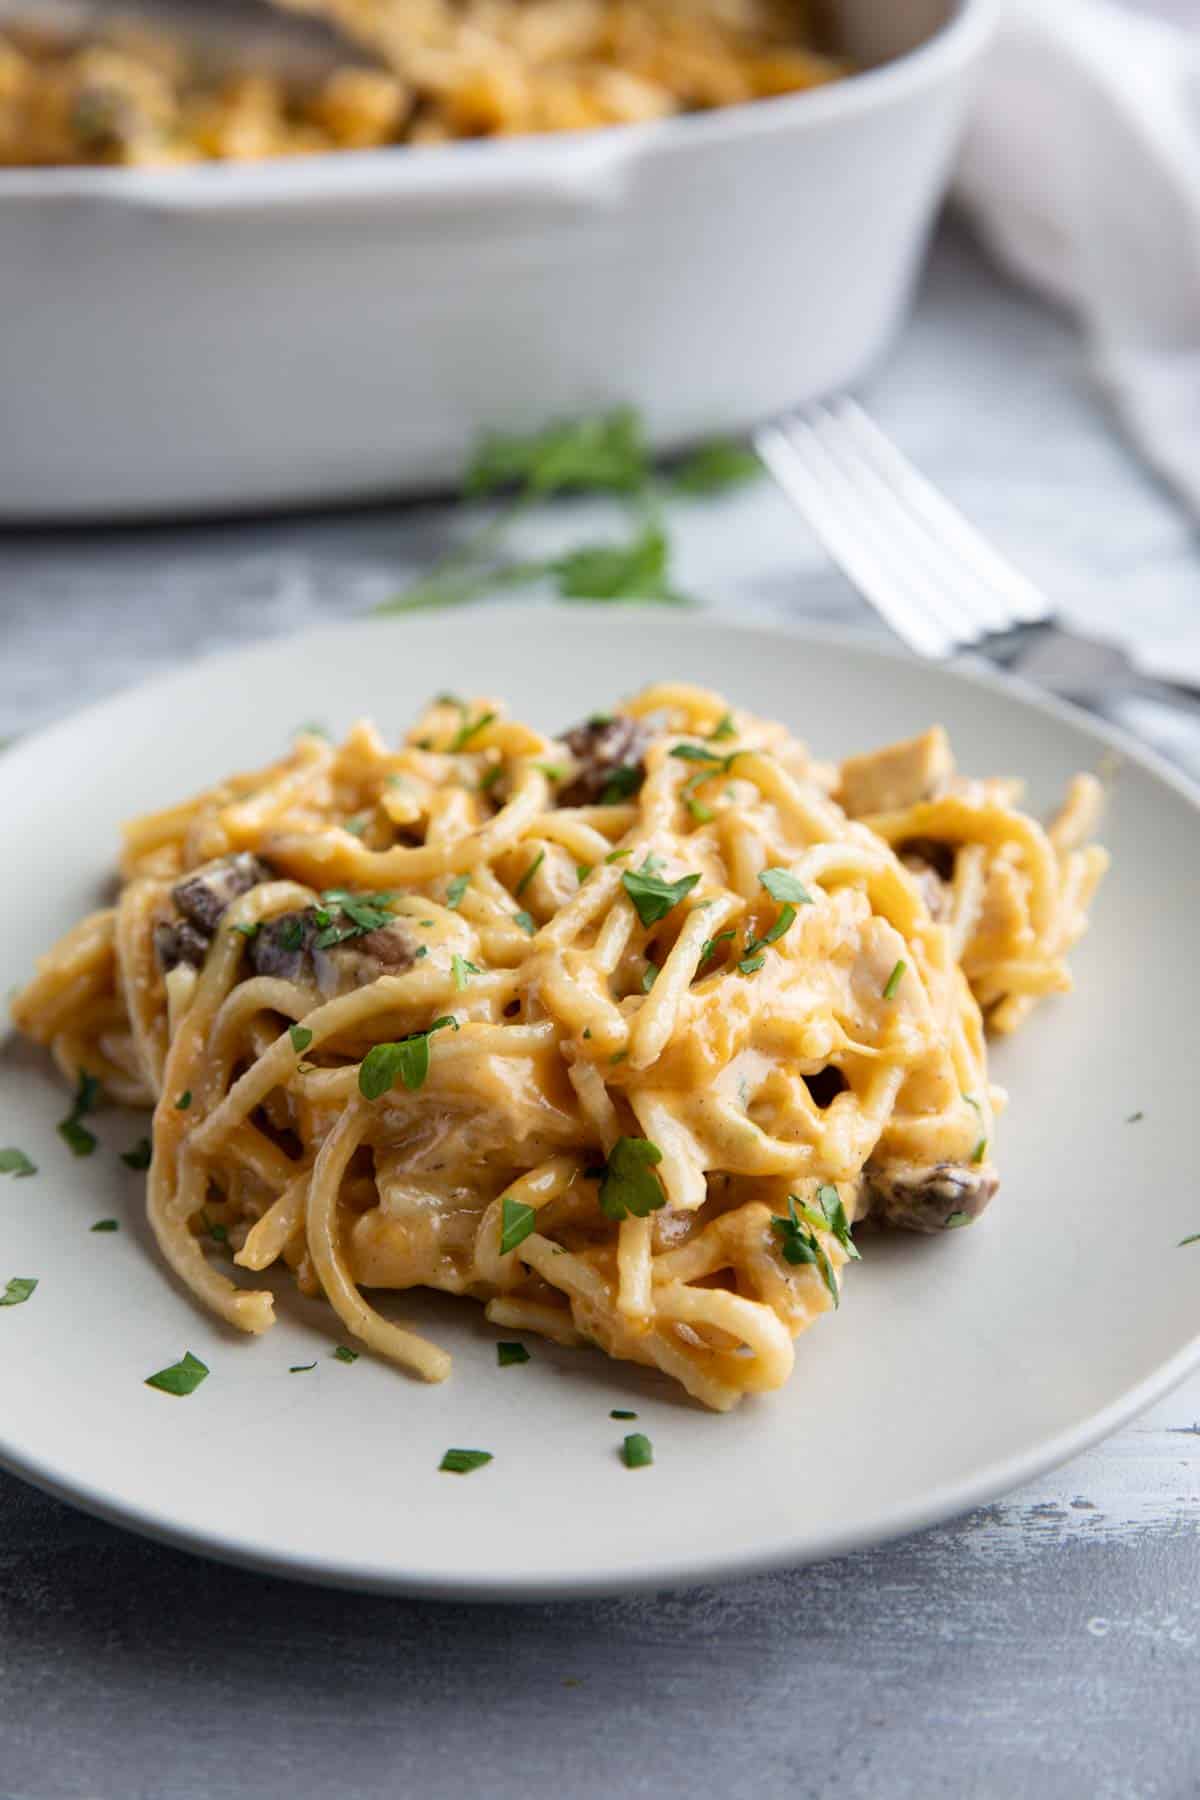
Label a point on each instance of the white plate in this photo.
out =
(957, 1367)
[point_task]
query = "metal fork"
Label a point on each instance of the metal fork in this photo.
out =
(941, 586)
(938, 584)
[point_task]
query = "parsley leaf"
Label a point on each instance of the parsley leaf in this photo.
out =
(529, 874)
(301, 1368)
(462, 970)
(343, 1353)
(637, 1452)
(600, 454)
(301, 1037)
(71, 1129)
(653, 897)
(18, 1290)
(105, 1225)
(15, 1162)
(456, 890)
(629, 1188)
(139, 1155)
(509, 1354)
(469, 729)
(516, 1222)
(620, 1413)
(623, 781)
(750, 965)
(461, 1462)
(724, 728)
(958, 1219)
(181, 1377)
(408, 1058)
(709, 945)
(527, 922)
(716, 467)
(184, 1100)
(894, 980)
(649, 976)
(830, 1202)
(633, 571)
(782, 885)
(799, 1245)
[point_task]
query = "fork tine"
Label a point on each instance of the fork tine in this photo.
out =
(911, 551)
(839, 525)
(1015, 600)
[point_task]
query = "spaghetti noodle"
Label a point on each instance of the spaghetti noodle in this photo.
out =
(619, 1033)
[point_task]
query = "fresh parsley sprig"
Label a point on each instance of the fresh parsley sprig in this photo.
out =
(604, 454)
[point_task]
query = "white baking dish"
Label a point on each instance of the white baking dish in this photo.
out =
(235, 336)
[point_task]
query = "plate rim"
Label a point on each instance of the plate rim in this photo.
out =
(949, 1500)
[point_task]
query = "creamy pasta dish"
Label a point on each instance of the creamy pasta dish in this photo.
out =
(621, 1033)
(426, 71)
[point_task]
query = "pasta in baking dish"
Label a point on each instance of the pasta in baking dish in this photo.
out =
(620, 1032)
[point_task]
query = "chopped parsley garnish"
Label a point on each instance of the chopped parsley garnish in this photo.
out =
(653, 897)
(291, 934)
(508, 1354)
(301, 1037)
(456, 890)
(717, 466)
(408, 1058)
(360, 913)
(15, 1162)
(618, 855)
(527, 922)
(357, 825)
(894, 980)
(698, 754)
(250, 931)
(637, 1452)
(469, 729)
(724, 728)
(516, 1222)
(753, 959)
(957, 1220)
(582, 871)
(629, 1188)
(552, 771)
(980, 1150)
(799, 1245)
(1194, 1239)
(420, 951)
(529, 874)
(461, 1462)
(1136, 1119)
(312, 729)
(139, 1155)
(301, 1368)
(181, 1378)
(623, 781)
(781, 884)
(18, 1290)
(703, 815)
(446, 699)
(184, 1100)
(71, 1129)
(649, 976)
(490, 777)
(620, 1413)
(343, 1353)
(462, 970)
(709, 945)
(105, 1225)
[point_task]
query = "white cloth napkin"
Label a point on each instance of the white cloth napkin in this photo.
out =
(1082, 170)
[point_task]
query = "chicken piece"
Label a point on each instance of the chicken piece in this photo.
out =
(897, 776)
